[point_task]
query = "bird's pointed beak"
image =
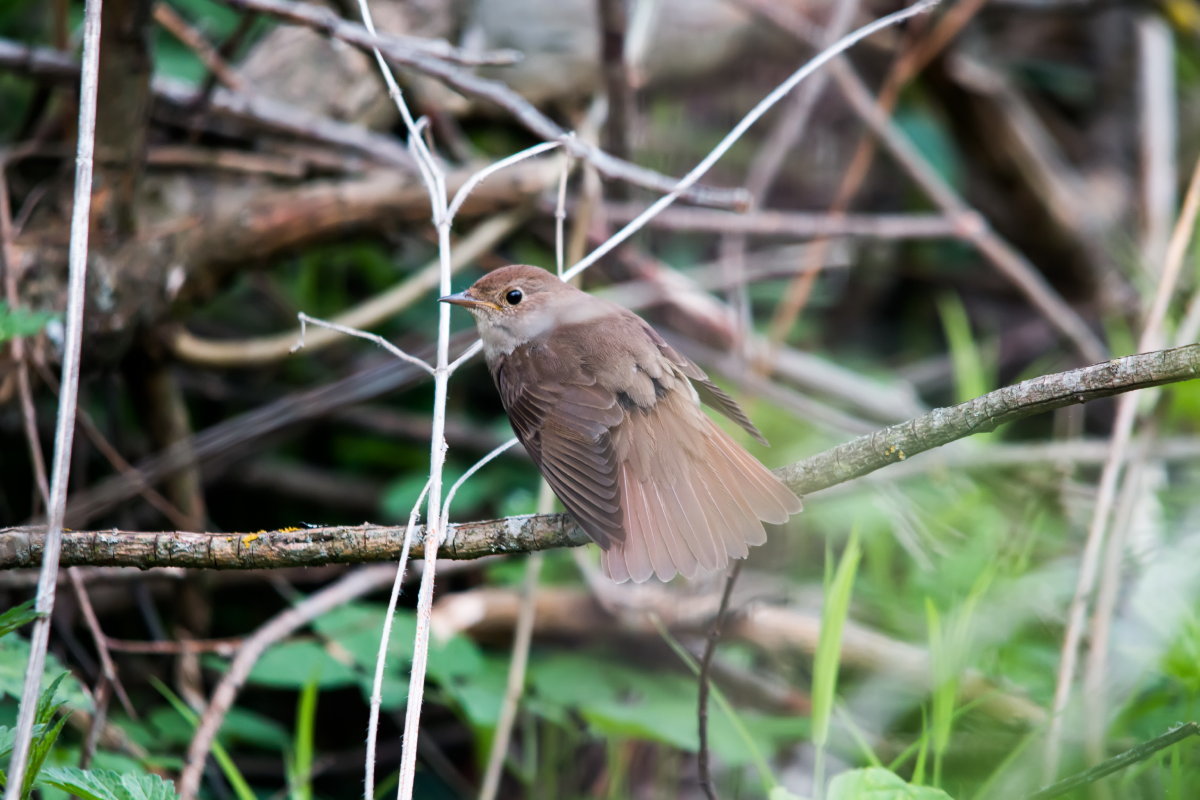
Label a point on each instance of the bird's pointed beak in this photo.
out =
(466, 301)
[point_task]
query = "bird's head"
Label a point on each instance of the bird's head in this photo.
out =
(513, 305)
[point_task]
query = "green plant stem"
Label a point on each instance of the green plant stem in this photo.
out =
(1119, 761)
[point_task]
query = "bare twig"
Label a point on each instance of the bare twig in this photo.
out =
(770, 158)
(306, 320)
(618, 91)
(99, 639)
(1002, 255)
(65, 425)
(908, 65)
(710, 649)
(258, 112)
(8, 258)
(384, 640)
(1158, 134)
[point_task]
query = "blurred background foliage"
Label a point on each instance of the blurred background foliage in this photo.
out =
(969, 559)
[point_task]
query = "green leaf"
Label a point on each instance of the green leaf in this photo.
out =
(291, 665)
(357, 627)
(875, 783)
(18, 322)
(480, 697)
(14, 655)
(17, 616)
(108, 785)
(834, 612)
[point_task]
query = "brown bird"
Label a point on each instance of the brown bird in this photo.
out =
(610, 413)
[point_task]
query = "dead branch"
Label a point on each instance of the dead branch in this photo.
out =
(22, 546)
(563, 612)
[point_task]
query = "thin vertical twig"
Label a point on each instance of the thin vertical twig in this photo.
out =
(705, 677)
(434, 179)
(385, 638)
(65, 425)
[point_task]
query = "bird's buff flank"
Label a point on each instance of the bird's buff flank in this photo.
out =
(610, 413)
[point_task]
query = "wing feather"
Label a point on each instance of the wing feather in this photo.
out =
(647, 474)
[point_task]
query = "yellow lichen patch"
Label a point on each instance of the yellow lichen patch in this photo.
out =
(249, 537)
(289, 529)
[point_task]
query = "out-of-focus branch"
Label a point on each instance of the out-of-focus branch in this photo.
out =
(265, 349)
(178, 100)
(494, 92)
(492, 612)
(803, 225)
(22, 547)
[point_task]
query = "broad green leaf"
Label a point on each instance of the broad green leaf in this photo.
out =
(357, 627)
(875, 783)
(108, 785)
(14, 655)
(290, 665)
(480, 697)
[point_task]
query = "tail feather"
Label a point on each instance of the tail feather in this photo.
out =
(693, 519)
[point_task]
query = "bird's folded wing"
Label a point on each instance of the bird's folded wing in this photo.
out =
(565, 429)
(711, 394)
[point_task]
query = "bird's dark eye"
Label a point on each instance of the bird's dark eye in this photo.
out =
(513, 296)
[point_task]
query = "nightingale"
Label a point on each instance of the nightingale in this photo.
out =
(610, 414)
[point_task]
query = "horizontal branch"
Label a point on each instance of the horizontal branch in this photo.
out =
(802, 224)
(22, 547)
(357, 544)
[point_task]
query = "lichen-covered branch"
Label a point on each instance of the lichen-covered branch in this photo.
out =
(22, 546)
